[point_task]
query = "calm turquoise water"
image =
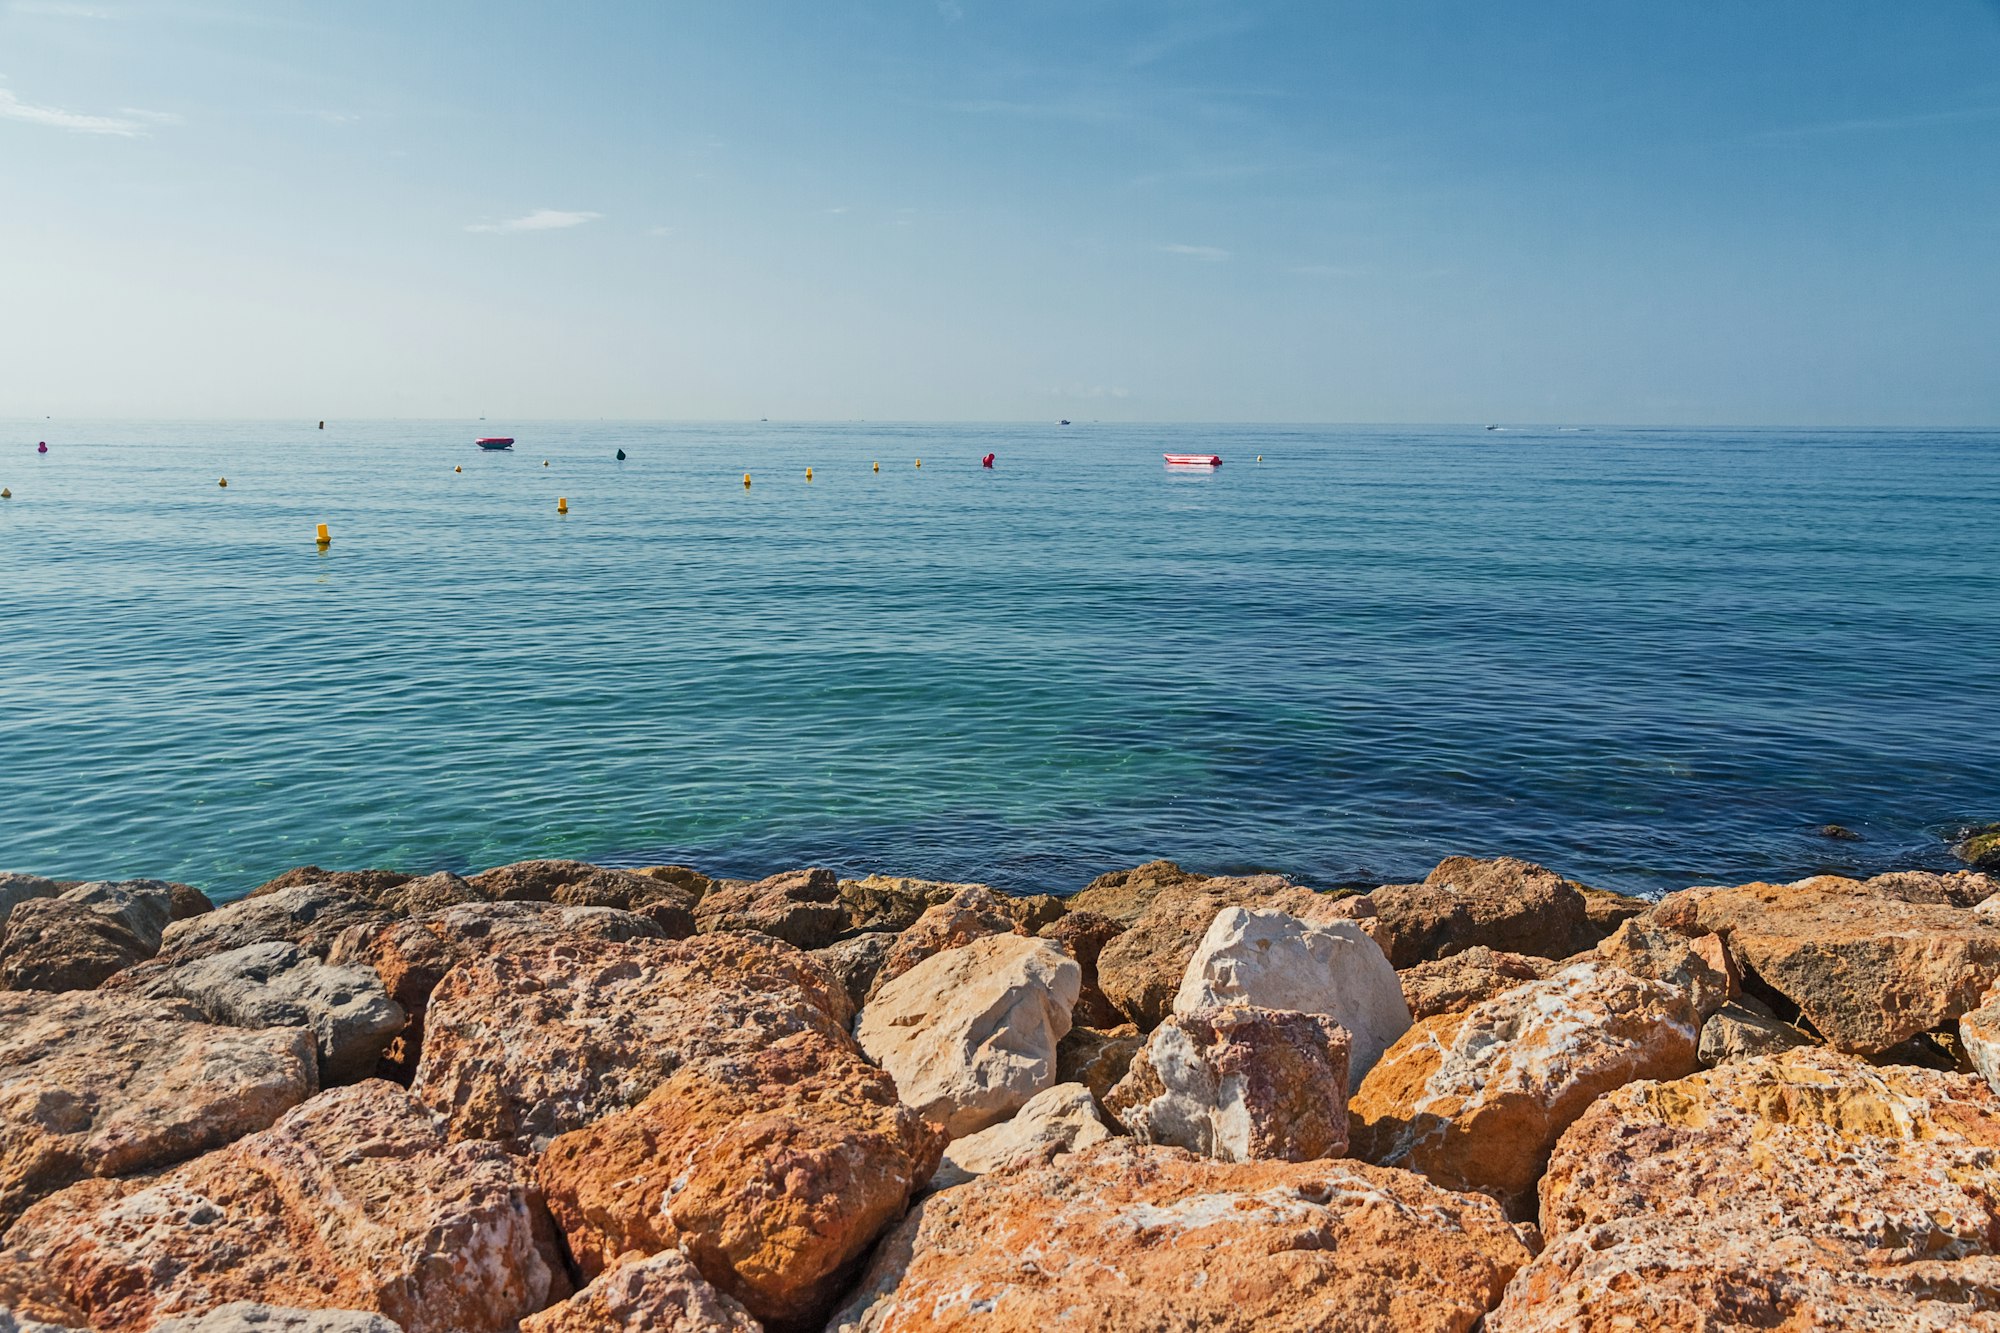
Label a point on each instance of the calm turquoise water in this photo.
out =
(1648, 658)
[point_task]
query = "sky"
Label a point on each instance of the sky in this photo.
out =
(1784, 212)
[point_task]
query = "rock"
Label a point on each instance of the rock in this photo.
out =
(667, 898)
(1736, 1032)
(410, 957)
(773, 1170)
(1275, 961)
(800, 907)
(1979, 848)
(1476, 1100)
(1802, 1190)
(538, 881)
(1124, 895)
(1097, 1057)
(1505, 904)
(428, 893)
(352, 1201)
(1979, 1038)
(111, 1085)
(18, 888)
(185, 900)
(82, 936)
(1060, 1119)
(543, 1039)
(971, 914)
(1141, 970)
(970, 1034)
(1647, 950)
(29, 1302)
(1462, 980)
(1867, 969)
(1083, 935)
(1606, 911)
(279, 985)
(1838, 833)
(1124, 1237)
(685, 878)
(249, 1317)
(1034, 912)
(1238, 1083)
(1957, 888)
(308, 915)
(894, 902)
(660, 1294)
(369, 884)
(856, 961)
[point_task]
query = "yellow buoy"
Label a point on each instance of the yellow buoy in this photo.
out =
(809, 474)
(321, 536)
(224, 483)
(746, 481)
(878, 467)
(458, 469)
(5, 493)
(920, 462)
(562, 505)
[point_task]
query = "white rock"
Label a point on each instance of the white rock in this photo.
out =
(970, 1034)
(1275, 961)
(1063, 1118)
(248, 1317)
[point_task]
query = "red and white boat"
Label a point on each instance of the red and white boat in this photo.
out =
(1193, 460)
(495, 442)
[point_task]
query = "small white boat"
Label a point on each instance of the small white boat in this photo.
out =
(1193, 460)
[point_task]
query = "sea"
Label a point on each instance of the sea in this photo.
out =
(1647, 658)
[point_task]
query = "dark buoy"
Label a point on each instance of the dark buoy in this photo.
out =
(986, 461)
(621, 455)
(42, 448)
(322, 425)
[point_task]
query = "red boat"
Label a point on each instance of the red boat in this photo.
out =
(496, 442)
(1193, 460)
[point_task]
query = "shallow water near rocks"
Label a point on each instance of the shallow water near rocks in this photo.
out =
(1647, 658)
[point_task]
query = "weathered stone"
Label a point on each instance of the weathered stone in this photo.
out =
(1647, 950)
(1141, 970)
(660, 1294)
(1239, 1083)
(970, 1034)
(250, 1317)
(800, 907)
(772, 1170)
(1060, 1119)
(1034, 912)
(82, 936)
(685, 878)
(1275, 961)
(1124, 895)
(1127, 1238)
(18, 888)
(1866, 969)
(1607, 910)
(370, 884)
(534, 881)
(667, 898)
(1476, 1100)
(111, 1085)
(1979, 1038)
(1979, 848)
(1505, 904)
(1803, 1190)
(1097, 1057)
(1458, 982)
(856, 961)
(1083, 935)
(29, 1301)
(543, 1039)
(309, 915)
(279, 985)
(971, 914)
(185, 900)
(894, 902)
(1736, 1031)
(352, 1201)
(411, 956)
(429, 893)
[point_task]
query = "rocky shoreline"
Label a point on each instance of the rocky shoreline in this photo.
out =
(556, 1097)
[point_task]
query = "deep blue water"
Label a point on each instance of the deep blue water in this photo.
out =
(1645, 657)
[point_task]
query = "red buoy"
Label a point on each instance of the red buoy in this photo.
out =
(986, 461)
(42, 448)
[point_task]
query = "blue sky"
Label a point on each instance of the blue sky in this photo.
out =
(1782, 212)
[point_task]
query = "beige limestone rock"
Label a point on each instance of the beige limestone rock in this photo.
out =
(251, 1317)
(660, 1294)
(1097, 1057)
(1275, 961)
(1505, 904)
(82, 936)
(1979, 1037)
(1124, 895)
(1060, 1119)
(800, 907)
(972, 913)
(1462, 980)
(894, 902)
(1607, 910)
(1648, 950)
(1476, 1100)
(1956, 888)
(1122, 1238)
(1238, 1083)
(1738, 1031)
(1082, 935)
(309, 915)
(970, 1034)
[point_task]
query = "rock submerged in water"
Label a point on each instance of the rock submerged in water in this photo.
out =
(1980, 848)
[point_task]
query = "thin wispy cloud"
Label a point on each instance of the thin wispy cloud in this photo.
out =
(1880, 124)
(1208, 254)
(542, 219)
(76, 122)
(153, 117)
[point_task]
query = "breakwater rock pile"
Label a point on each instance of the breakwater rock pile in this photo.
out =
(556, 1098)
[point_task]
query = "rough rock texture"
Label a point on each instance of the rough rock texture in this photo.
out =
(800, 907)
(1124, 895)
(80, 937)
(427, 893)
(893, 902)
(685, 878)
(1607, 910)
(309, 915)
(1238, 1083)
(1060, 1119)
(1804, 1190)
(29, 1301)
(772, 1170)
(1514, 906)
(667, 898)
(540, 1040)
(1127, 1239)
(1648, 950)
(112, 1085)
(185, 900)
(1979, 1037)
(538, 881)
(970, 914)
(279, 985)
(1275, 961)
(249, 1317)
(354, 883)
(970, 1034)
(856, 961)
(1979, 848)
(411, 956)
(1957, 888)
(352, 1201)
(1738, 1031)
(18, 888)
(661, 1294)
(1083, 935)
(1449, 985)
(1476, 1100)
(1097, 1057)
(1866, 969)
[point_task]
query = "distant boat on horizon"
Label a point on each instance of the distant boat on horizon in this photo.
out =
(1063, 422)
(1193, 460)
(495, 442)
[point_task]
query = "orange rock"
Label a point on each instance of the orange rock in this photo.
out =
(1082, 935)
(1127, 1239)
(1124, 895)
(1505, 904)
(27, 1294)
(1462, 980)
(800, 907)
(663, 1294)
(970, 914)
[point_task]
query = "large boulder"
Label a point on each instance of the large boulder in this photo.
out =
(1742, 1029)
(1083, 935)
(1275, 961)
(18, 888)
(252, 1317)
(1476, 1100)
(856, 961)
(1124, 895)
(1803, 1190)
(1060, 1119)
(1124, 1237)
(1956, 888)
(1979, 1037)
(663, 1293)
(800, 907)
(1459, 981)
(81, 937)
(352, 1201)
(537, 1041)
(1699, 967)
(894, 902)
(1868, 970)
(1238, 1083)
(773, 1170)
(970, 1034)
(1979, 847)
(410, 956)
(1505, 904)
(111, 1085)
(370, 884)
(970, 914)
(310, 915)
(666, 899)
